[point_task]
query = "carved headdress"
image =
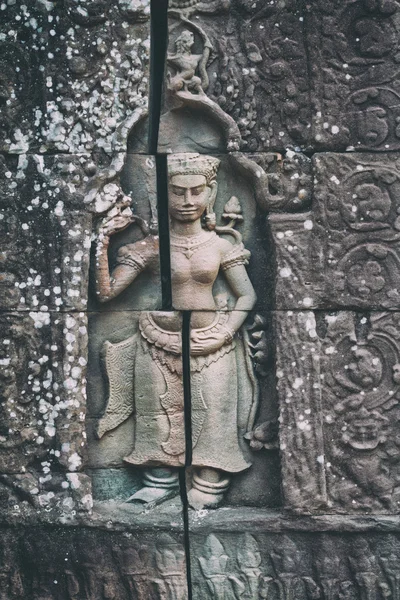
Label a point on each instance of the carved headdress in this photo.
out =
(193, 164)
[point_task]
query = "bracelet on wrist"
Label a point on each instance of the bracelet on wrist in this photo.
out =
(229, 334)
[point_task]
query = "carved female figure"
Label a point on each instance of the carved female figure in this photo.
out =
(145, 371)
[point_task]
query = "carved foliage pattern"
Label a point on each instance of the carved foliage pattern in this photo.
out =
(288, 566)
(349, 363)
(360, 410)
(356, 201)
(91, 566)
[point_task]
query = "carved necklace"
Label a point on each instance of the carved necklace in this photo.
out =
(189, 245)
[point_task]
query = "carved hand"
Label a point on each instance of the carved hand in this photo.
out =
(200, 346)
(117, 219)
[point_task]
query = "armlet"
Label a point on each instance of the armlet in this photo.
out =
(237, 256)
(131, 259)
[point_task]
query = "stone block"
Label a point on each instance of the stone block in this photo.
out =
(343, 251)
(259, 555)
(236, 77)
(43, 440)
(232, 213)
(338, 391)
(247, 186)
(71, 563)
(297, 263)
(46, 260)
(356, 228)
(77, 74)
(233, 408)
(354, 58)
(51, 207)
(135, 390)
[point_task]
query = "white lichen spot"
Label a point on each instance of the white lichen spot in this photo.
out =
(285, 272)
(298, 382)
(74, 461)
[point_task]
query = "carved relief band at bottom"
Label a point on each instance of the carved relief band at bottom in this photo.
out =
(235, 554)
(268, 558)
(70, 564)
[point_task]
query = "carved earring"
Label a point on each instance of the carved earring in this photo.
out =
(210, 218)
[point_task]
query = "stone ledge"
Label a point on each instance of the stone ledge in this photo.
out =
(106, 516)
(255, 520)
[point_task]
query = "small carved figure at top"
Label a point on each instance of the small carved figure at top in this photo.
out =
(188, 80)
(185, 63)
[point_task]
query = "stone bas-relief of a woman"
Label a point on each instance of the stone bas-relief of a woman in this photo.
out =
(145, 371)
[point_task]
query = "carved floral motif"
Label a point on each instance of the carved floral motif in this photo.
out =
(357, 100)
(350, 365)
(357, 201)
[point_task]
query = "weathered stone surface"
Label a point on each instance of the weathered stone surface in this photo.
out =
(46, 224)
(297, 274)
(43, 441)
(300, 421)
(353, 53)
(338, 393)
(75, 74)
(233, 560)
(71, 563)
(46, 233)
(45, 259)
(356, 217)
(236, 77)
(343, 252)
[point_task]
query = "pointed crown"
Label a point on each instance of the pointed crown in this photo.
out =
(193, 164)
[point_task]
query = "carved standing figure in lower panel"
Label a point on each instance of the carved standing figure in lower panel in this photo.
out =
(145, 371)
